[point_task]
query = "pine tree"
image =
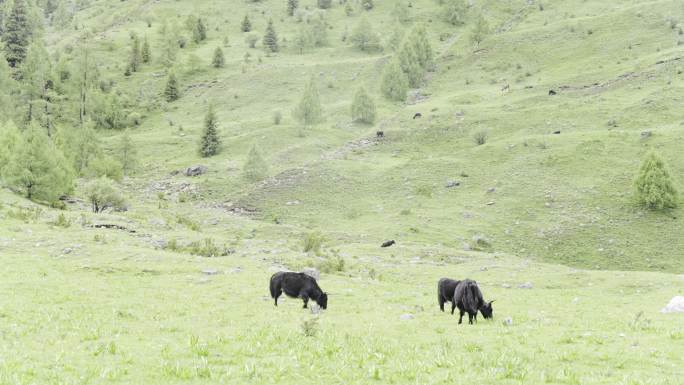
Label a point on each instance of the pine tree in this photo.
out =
(304, 39)
(199, 32)
(394, 84)
(270, 40)
(219, 60)
(146, 53)
(421, 46)
(292, 5)
(246, 24)
(363, 107)
(135, 58)
(10, 137)
(324, 4)
(410, 64)
(479, 31)
(36, 73)
(126, 153)
(37, 169)
(17, 33)
(7, 87)
(172, 89)
(309, 110)
(80, 145)
(654, 187)
(455, 11)
(62, 16)
(363, 36)
(210, 142)
(255, 169)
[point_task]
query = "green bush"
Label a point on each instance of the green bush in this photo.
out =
(313, 242)
(654, 187)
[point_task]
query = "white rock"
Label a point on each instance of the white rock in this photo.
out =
(676, 305)
(406, 317)
(526, 285)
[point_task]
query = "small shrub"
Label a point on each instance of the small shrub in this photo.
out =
(654, 187)
(277, 117)
(310, 326)
(480, 137)
(206, 248)
(189, 223)
(62, 221)
(313, 242)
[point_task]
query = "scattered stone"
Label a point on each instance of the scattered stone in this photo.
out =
(575, 300)
(235, 270)
(292, 203)
(622, 335)
(195, 170)
(491, 190)
(160, 243)
(67, 250)
(406, 317)
(506, 286)
(646, 134)
(157, 222)
(508, 321)
(490, 203)
(452, 184)
(676, 305)
(312, 272)
(210, 272)
(466, 246)
(526, 285)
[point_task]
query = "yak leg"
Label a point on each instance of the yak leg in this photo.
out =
(441, 302)
(276, 297)
(470, 319)
(460, 319)
(305, 298)
(453, 307)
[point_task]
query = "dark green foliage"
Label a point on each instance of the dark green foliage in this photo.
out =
(246, 25)
(363, 36)
(394, 84)
(146, 53)
(199, 32)
(108, 112)
(172, 89)
(291, 6)
(79, 144)
(363, 107)
(654, 187)
(135, 56)
(367, 4)
(106, 166)
(309, 110)
(455, 11)
(210, 142)
(324, 4)
(410, 64)
(126, 153)
(270, 40)
(37, 169)
(102, 194)
(479, 31)
(219, 60)
(255, 168)
(17, 33)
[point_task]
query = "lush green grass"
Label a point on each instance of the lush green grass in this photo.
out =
(87, 305)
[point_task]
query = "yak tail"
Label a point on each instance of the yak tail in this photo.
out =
(274, 286)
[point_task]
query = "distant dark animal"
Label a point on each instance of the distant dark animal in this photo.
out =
(468, 299)
(297, 285)
(557, 132)
(506, 88)
(387, 243)
(552, 92)
(417, 115)
(445, 291)
(380, 134)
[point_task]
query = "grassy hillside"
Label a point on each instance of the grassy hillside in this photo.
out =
(125, 297)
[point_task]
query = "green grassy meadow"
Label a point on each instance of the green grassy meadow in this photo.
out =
(139, 304)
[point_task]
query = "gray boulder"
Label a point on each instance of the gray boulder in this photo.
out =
(195, 170)
(676, 305)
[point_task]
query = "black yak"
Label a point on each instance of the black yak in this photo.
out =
(387, 243)
(297, 285)
(445, 291)
(417, 115)
(380, 134)
(468, 298)
(552, 92)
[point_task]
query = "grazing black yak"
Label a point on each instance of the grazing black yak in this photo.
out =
(468, 298)
(552, 92)
(380, 134)
(297, 285)
(445, 291)
(387, 243)
(417, 115)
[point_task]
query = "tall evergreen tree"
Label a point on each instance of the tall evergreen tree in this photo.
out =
(654, 187)
(37, 82)
(37, 169)
(255, 169)
(199, 32)
(479, 31)
(324, 4)
(135, 56)
(219, 60)
(126, 153)
(10, 137)
(363, 36)
(394, 84)
(363, 107)
(292, 5)
(7, 87)
(455, 11)
(421, 46)
(210, 142)
(309, 110)
(172, 89)
(246, 25)
(17, 33)
(270, 40)
(146, 53)
(410, 64)
(80, 145)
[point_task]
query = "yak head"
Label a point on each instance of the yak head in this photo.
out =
(486, 310)
(322, 301)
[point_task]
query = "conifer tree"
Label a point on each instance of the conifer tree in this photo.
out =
(135, 58)
(363, 36)
(421, 46)
(210, 142)
(455, 11)
(37, 169)
(654, 187)
(7, 87)
(146, 53)
(17, 33)
(172, 89)
(394, 83)
(309, 110)
(324, 4)
(292, 5)
(219, 60)
(199, 32)
(10, 137)
(246, 25)
(479, 31)
(363, 107)
(410, 64)
(255, 169)
(126, 153)
(270, 40)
